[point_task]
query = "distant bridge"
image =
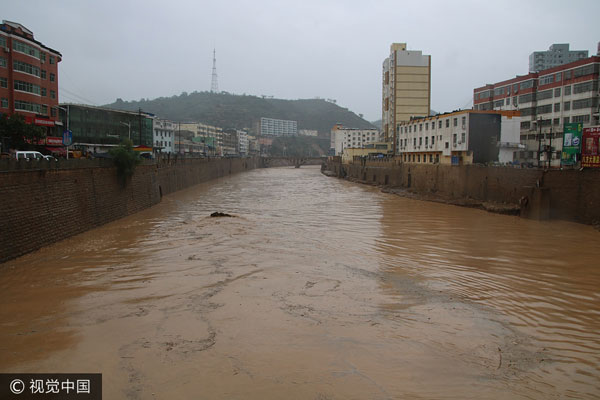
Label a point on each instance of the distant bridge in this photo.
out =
(297, 162)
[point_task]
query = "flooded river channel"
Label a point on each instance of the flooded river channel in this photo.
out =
(317, 288)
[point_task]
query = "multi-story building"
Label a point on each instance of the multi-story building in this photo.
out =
(547, 100)
(278, 127)
(556, 55)
(164, 135)
(460, 137)
(344, 138)
(29, 78)
(212, 136)
(95, 127)
(406, 88)
(244, 143)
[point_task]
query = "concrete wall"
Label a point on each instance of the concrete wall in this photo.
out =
(574, 194)
(44, 205)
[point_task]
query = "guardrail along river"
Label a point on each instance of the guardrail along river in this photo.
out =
(316, 288)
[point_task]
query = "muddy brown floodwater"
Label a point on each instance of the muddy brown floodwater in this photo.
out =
(317, 288)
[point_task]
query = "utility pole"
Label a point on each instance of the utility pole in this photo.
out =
(540, 143)
(550, 150)
(140, 123)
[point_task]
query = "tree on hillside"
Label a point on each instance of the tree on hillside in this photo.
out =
(17, 134)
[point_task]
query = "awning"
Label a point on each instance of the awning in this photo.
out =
(61, 151)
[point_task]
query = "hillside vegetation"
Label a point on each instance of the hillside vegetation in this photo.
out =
(244, 112)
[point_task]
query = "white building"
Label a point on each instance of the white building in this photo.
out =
(460, 137)
(343, 138)
(163, 135)
(243, 142)
(308, 132)
(278, 127)
(557, 54)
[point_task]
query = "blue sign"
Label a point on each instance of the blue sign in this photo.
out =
(67, 138)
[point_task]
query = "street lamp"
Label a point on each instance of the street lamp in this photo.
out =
(128, 125)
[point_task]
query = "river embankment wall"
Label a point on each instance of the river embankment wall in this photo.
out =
(41, 203)
(574, 195)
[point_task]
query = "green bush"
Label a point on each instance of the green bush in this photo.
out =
(125, 159)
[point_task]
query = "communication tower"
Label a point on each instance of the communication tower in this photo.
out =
(214, 85)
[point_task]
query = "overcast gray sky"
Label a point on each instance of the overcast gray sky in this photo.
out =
(295, 49)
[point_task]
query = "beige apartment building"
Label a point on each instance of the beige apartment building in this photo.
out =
(406, 88)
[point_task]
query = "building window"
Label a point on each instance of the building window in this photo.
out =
(447, 144)
(583, 103)
(426, 126)
(420, 141)
(43, 74)
(3, 82)
(52, 77)
(27, 87)
(525, 125)
(27, 106)
(462, 137)
(556, 107)
(432, 140)
(454, 137)
(2, 62)
(4, 103)
(581, 118)
(515, 101)
(556, 121)
(557, 92)
(567, 106)
(456, 119)
(43, 91)
(418, 158)
(567, 90)
(420, 127)
(53, 111)
(440, 124)
(426, 141)
(565, 120)
(464, 119)
(52, 94)
(51, 59)
(448, 123)
(26, 68)
(26, 49)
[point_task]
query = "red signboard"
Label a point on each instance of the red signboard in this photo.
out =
(44, 122)
(54, 141)
(590, 147)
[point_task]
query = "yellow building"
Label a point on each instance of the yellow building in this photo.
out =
(372, 150)
(406, 88)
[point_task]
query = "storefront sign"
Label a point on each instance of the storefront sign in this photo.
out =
(590, 152)
(571, 143)
(43, 122)
(54, 141)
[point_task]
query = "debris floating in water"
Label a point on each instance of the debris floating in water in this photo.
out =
(220, 214)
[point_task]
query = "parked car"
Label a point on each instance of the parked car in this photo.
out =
(32, 155)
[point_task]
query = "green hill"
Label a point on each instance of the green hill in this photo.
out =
(244, 112)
